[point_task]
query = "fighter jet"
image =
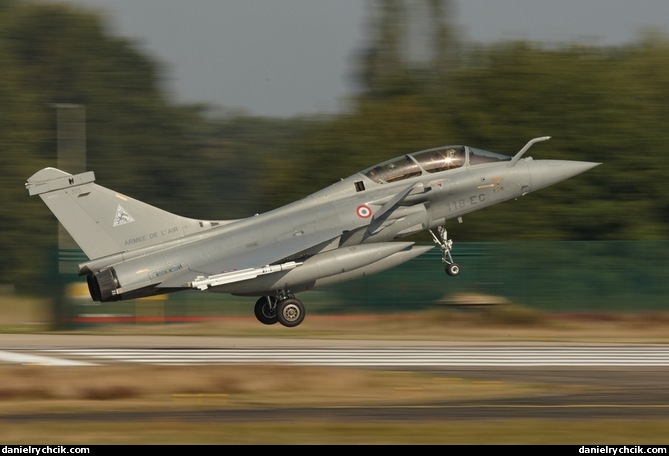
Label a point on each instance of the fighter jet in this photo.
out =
(345, 231)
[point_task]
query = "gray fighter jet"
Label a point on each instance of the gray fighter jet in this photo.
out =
(343, 232)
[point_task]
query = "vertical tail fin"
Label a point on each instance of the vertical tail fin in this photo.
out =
(103, 222)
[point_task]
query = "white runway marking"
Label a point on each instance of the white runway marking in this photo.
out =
(492, 356)
(25, 358)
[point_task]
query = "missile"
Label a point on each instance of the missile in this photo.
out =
(203, 283)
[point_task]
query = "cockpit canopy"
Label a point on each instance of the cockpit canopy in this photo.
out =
(430, 161)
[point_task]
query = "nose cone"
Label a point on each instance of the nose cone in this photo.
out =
(544, 173)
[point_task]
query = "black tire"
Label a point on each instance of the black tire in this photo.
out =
(453, 269)
(264, 313)
(290, 312)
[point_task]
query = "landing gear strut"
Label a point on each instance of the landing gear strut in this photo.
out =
(446, 245)
(284, 308)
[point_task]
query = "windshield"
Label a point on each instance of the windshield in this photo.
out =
(478, 156)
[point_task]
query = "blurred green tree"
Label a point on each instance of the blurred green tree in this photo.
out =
(52, 54)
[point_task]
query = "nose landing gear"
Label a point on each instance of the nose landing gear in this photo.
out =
(446, 245)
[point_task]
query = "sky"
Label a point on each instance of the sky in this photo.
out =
(283, 58)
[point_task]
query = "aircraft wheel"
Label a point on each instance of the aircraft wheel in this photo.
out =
(290, 312)
(266, 313)
(453, 269)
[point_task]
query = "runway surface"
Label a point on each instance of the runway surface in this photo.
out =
(487, 356)
(55, 350)
(621, 381)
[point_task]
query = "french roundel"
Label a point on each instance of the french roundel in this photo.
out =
(363, 211)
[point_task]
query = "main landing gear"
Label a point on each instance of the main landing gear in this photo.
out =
(284, 308)
(446, 245)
